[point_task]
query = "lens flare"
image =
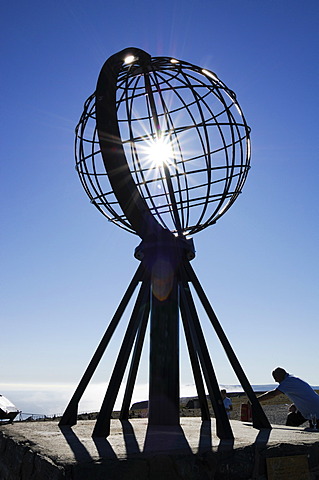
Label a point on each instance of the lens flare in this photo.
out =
(162, 279)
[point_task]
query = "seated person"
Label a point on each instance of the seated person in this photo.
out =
(294, 417)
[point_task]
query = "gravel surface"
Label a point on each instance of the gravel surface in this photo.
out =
(276, 414)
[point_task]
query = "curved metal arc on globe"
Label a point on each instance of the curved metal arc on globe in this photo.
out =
(131, 202)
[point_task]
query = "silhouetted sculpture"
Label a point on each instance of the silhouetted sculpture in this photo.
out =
(162, 150)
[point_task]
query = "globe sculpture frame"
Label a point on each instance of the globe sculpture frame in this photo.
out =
(163, 151)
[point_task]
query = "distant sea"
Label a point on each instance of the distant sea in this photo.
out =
(45, 399)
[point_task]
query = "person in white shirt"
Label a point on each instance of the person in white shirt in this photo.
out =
(227, 402)
(299, 392)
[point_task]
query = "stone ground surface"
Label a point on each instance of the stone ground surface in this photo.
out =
(133, 451)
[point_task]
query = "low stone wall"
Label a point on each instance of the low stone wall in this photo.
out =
(21, 461)
(18, 461)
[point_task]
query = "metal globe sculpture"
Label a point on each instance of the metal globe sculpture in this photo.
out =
(162, 150)
(180, 133)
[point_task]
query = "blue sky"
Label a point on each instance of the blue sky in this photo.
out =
(64, 268)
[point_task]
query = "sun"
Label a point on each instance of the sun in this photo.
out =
(159, 151)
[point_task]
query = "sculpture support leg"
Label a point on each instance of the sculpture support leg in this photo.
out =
(223, 428)
(195, 365)
(102, 426)
(259, 418)
(70, 415)
(134, 364)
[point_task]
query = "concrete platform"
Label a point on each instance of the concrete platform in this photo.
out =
(133, 451)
